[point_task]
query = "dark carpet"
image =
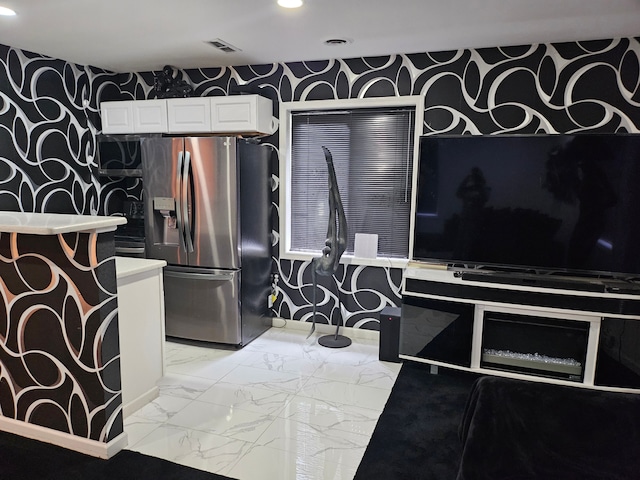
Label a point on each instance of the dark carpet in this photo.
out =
(516, 430)
(24, 459)
(416, 436)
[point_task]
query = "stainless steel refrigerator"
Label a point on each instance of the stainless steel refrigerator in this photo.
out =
(207, 213)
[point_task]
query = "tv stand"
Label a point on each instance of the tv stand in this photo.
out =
(533, 280)
(576, 331)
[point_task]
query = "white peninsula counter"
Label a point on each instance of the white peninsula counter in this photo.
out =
(59, 349)
(56, 223)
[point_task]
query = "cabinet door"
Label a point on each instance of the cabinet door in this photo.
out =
(203, 304)
(618, 360)
(437, 330)
(241, 114)
(189, 115)
(150, 116)
(117, 117)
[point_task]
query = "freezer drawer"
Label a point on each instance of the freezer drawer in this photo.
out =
(203, 304)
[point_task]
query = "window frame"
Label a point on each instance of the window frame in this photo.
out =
(286, 109)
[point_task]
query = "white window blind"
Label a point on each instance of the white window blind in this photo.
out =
(372, 150)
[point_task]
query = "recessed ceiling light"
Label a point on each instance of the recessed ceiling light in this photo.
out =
(338, 41)
(290, 3)
(6, 11)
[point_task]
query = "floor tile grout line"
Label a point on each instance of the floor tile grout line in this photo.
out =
(312, 354)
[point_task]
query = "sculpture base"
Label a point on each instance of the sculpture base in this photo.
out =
(334, 341)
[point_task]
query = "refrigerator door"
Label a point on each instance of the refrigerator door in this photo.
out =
(202, 304)
(212, 220)
(163, 166)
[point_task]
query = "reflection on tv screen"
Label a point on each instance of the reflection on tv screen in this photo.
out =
(553, 202)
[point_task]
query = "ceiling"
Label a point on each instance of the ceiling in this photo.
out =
(143, 35)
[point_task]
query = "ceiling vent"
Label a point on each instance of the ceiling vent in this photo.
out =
(224, 46)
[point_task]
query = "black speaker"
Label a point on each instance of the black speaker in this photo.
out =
(389, 334)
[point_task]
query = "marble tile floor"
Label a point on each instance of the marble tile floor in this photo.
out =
(281, 408)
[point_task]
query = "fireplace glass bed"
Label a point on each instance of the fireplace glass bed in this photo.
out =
(550, 347)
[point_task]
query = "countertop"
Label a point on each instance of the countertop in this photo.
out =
(127, 266)
(56, 223)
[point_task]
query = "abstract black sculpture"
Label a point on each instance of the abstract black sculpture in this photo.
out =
(335, 245)
(169, 84)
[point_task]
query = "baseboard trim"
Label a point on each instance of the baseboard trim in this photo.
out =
(141, 401)
(323, 329)
(65, 440)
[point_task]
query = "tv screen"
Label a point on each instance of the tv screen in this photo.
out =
(569, 203)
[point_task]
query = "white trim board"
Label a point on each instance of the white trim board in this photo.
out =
(284, 159)
(325, 329)
(65, 440)
(139, 402)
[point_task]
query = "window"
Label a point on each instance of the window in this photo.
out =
(373, 144)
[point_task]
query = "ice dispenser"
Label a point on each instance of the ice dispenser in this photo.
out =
(164, 221)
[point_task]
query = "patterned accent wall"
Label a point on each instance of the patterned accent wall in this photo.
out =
(48, 121)
(59, 354)
(546, 88)
(59, 349)
(543, 88)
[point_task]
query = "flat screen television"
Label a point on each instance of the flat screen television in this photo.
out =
(534, 203)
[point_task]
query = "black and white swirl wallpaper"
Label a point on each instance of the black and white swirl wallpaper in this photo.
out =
(59, 355)
(49, 117)
(59, 363)
(550, 88)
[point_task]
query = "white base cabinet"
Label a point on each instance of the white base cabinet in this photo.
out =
(141, 329)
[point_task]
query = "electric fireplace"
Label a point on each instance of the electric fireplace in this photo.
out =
(551, 347)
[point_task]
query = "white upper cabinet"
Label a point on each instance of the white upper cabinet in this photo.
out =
(189, 115)
(117, 117)
(130, 116)
(241, 113)
(236, 114)
(150, 116)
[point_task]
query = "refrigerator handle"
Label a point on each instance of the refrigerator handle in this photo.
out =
(130, 250)
(225, 276)
(179, 221)
(186, 176)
